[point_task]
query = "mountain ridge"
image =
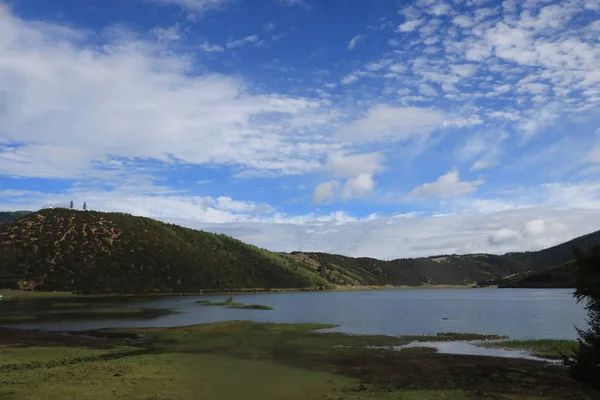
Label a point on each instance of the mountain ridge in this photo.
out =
(90, 251)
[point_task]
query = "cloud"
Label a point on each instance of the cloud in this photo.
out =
(211, 48)
(531, 229)
(427, 90)
(393, 123)
(242, 42)
(410, 26)
(326, 192)
(447, 185)
(301, 3)
(198, 6)
(340, 165)
(70, 108)
(352, 42)
(413, 235)
(269, 26)
(503, 236)
(360, 186)
(480, 165)
(357, 169)
(166, 35)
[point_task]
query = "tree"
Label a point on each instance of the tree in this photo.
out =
(585, 365)
(84, 206)
(71, 205)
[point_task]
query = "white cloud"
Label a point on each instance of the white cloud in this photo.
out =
(410, 26)
(440, 9)
(326, 192)
(211, 48)
(352, 42)
(427, 90)
(198, 6)
(480, 165)
(242, 42)
(445, 186)
(166, 35)
(534, 227)
(360, 186)
(503, 236)
(464, 70)
(463, 21)
(70, 108)
(413, 235)
(269, 26)
(340, 165)
(394, 123)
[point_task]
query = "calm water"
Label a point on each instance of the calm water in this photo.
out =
(517, 313)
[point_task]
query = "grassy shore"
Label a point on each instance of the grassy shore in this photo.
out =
(246, 360)
(11, 294)
(545, 348)
(82, 314)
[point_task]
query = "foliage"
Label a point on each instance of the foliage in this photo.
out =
(585, 364)
(559, 276)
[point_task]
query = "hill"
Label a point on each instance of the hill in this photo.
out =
(558, 276)
(94, 252)
(438, 270)
(10, 216)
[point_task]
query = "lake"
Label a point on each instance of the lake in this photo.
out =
(517, 313)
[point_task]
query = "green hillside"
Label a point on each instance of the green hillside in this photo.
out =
(439, 270)
(10, 216)
(558, 276)
(95, 252)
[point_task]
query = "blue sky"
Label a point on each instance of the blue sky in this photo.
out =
(381, 128)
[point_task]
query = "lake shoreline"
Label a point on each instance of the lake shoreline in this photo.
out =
(14, 294)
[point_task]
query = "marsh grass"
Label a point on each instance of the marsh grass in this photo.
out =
(83, 314)
(272, 361)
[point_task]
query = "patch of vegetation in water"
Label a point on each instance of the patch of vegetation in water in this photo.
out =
(544, 348)
(229, 303)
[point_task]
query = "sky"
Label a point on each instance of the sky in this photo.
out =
(378, 128)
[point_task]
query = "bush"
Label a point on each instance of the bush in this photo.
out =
(585, 365)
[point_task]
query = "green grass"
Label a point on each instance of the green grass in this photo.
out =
(247, 360)
(545, 348)
(82, 314)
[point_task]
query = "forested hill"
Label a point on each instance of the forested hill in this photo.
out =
(94, 252)
(60, 249)
(10, 216)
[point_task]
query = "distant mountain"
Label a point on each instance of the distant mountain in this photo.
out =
(94, 252)
(10, 216)
(559, 276)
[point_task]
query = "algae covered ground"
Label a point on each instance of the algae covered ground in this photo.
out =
(247, 360)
